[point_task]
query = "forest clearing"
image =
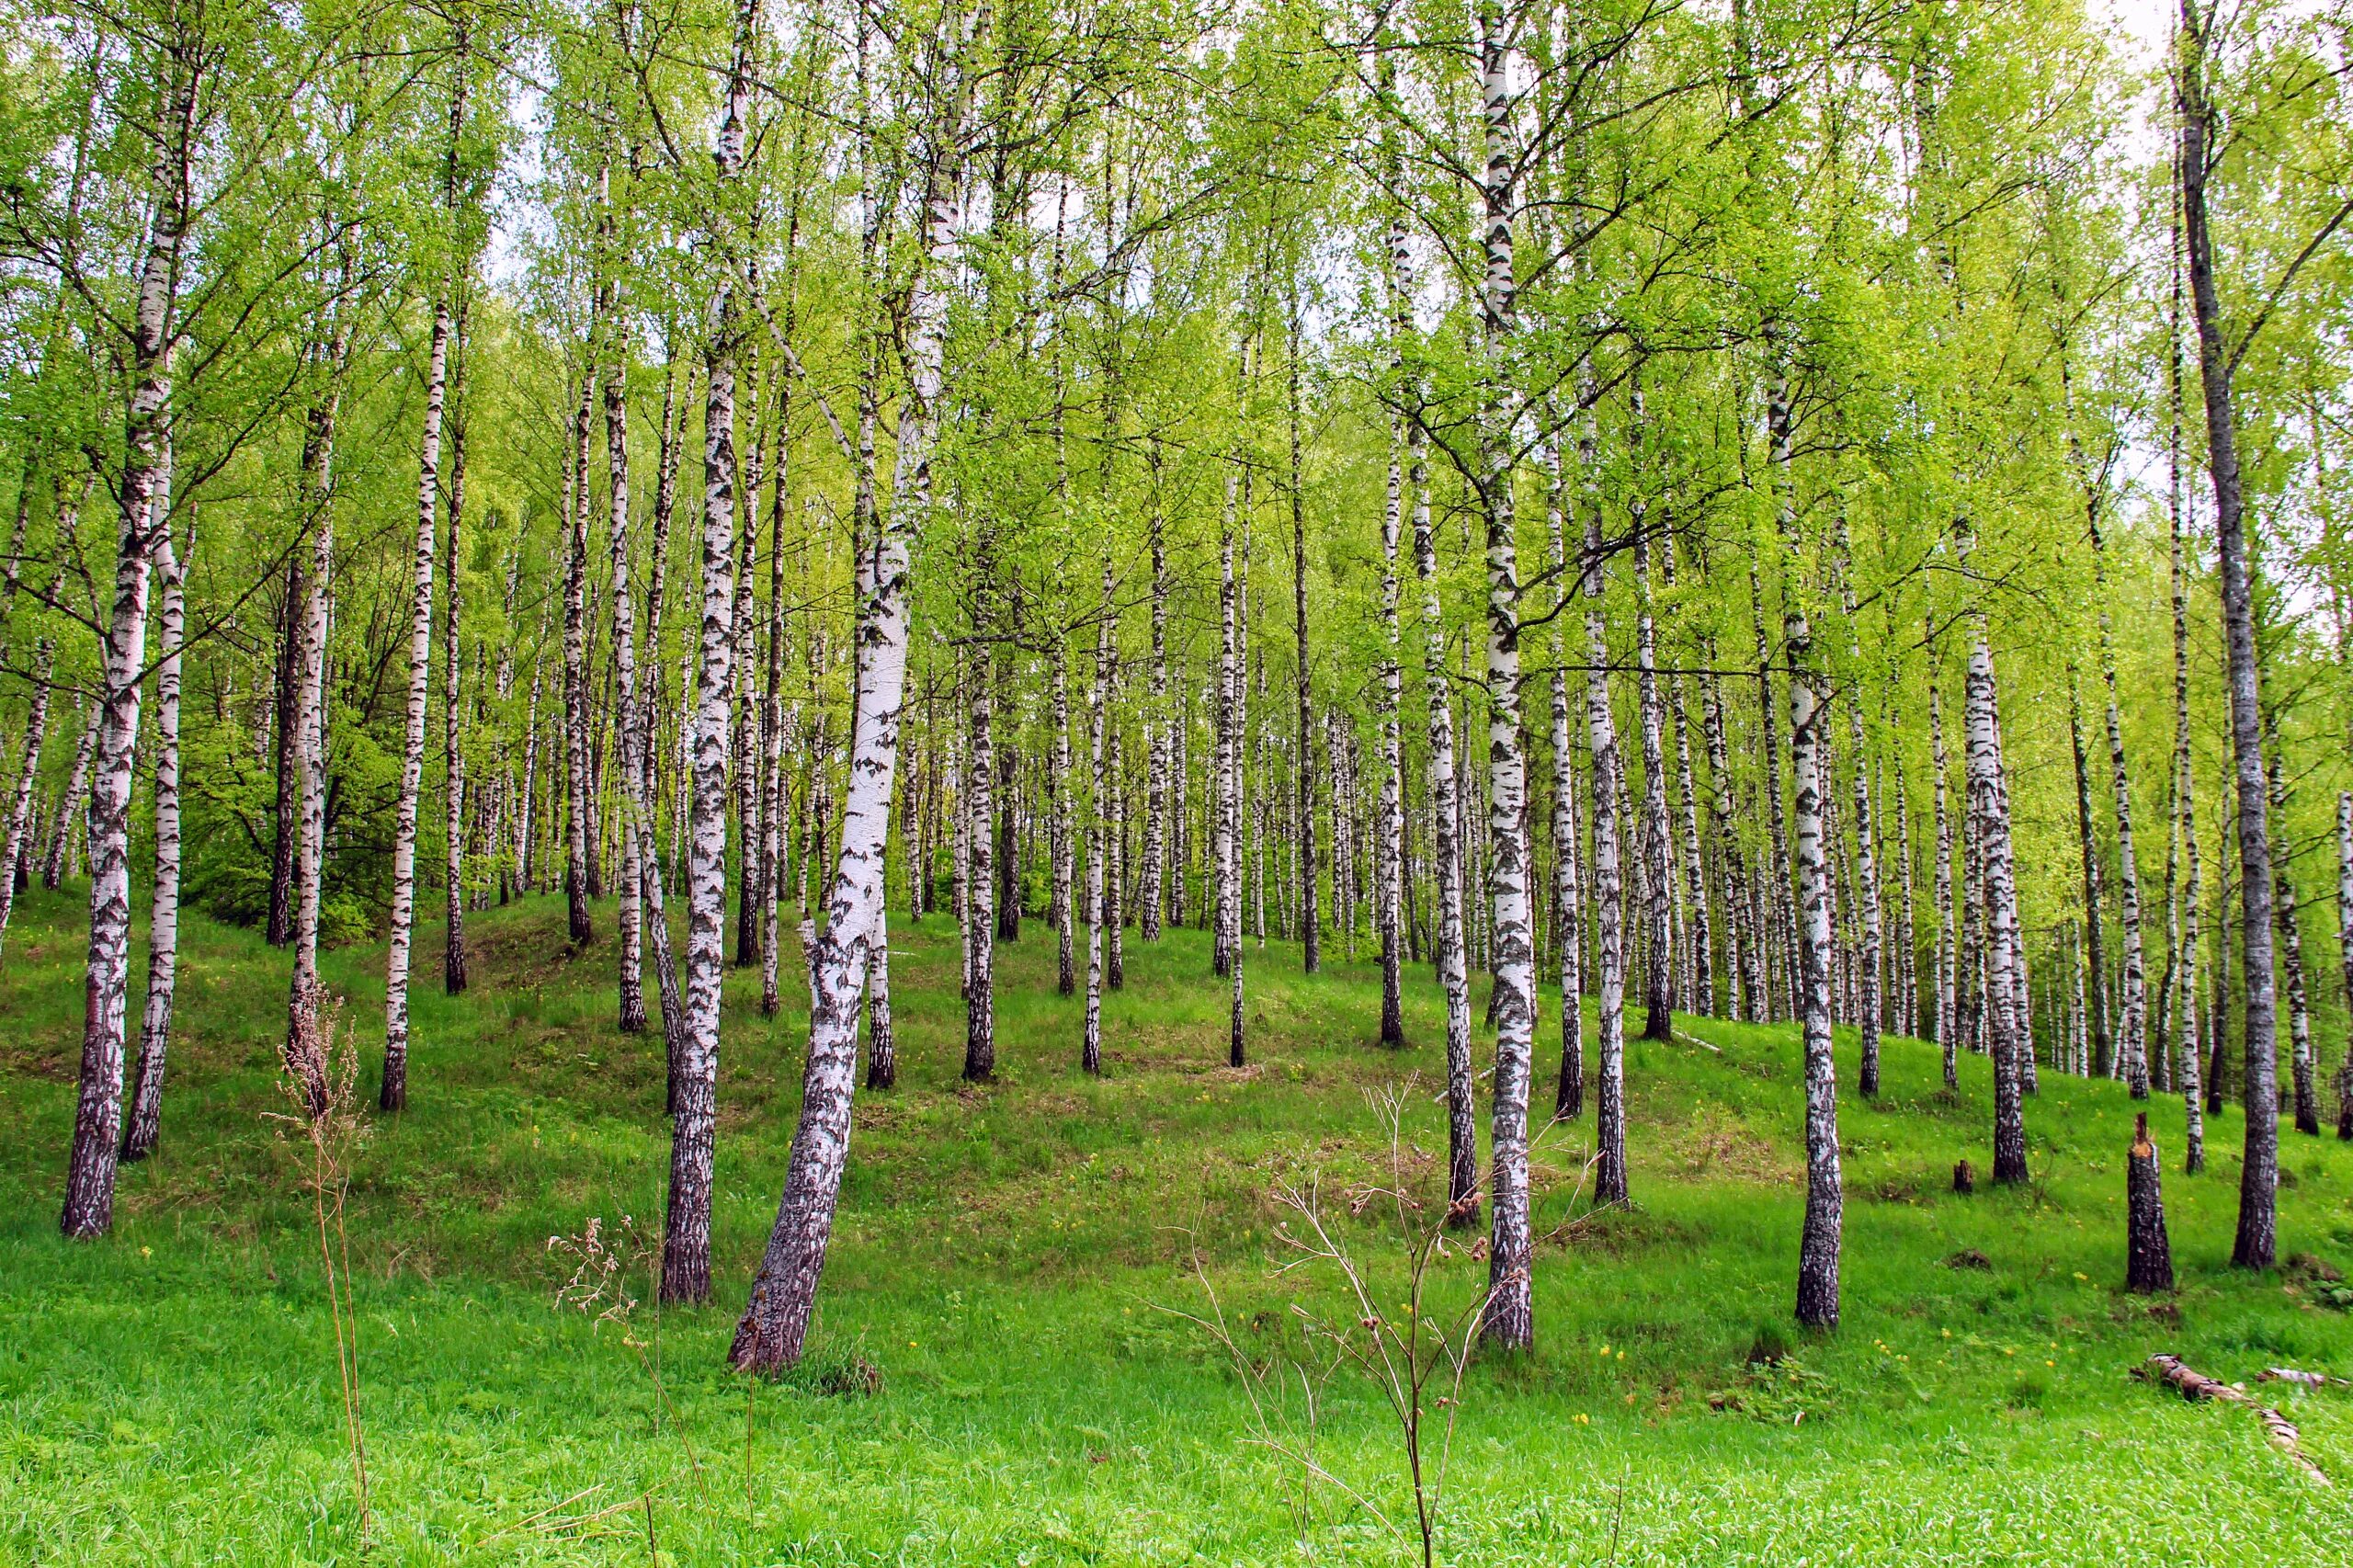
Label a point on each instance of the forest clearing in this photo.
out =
(1524, 781)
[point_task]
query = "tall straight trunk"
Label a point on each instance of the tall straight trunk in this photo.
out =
(1658, 873)
(77, 782)
(2132, 1042)
(278, 928)
(1947, 1015)
(20, 806)
(303, 991)
(1234, 680)
(744, 741)
(1872, 956)
(1700, 979)
(1223, 849)
(393, 1094)
(1389, 915)
(1098, 826)
(88, 1210)
(772, 839)
(643, 908)
(1819, 1247)
(1568, 1099)
(2104, 1059)
(2181, 917)
(163, 910)
(1311, 935)
(1453, 978)
(685, 1242)
(453, 952)
(2291, 965)
(2258, 1239)
(1009, 806)
(1151, 892)
(576, 681)
(1059, 851)
(1609, 886)
(1509, 1319)
(775, 1321)
(980, 786)
(2344, 950)
(1744, 960)
(1987, 805)
(1780, 930)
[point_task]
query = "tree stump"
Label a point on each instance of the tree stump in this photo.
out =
(1964, 1178)
(2148, 1257)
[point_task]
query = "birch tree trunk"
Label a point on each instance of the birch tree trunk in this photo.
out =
(1099, 826)
(979, 785)
(771, 1332)
(2256, 1243)
(2001, 948)
(1391, 823)
(1151, 891)
(1568, 1099)
(392, 1095)
(1453, 978)
(1509, 1322)
(2133, 1045)
(453, 952)
(1872, 956)
(2105, 1060)
(20, 807)
(1820, 1245)
(88, 1210)
(163, 912)
(1310, 922)
(77, 783)
(1658, 875)
(685, 1242)
(1609, 886)
(576, 676)
(303, 991)
(2291, 965)
(2345, 949)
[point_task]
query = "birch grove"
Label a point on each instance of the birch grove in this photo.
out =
(1685, 515)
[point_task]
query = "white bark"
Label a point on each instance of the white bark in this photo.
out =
(144, 1126)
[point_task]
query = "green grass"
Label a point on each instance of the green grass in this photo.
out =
(169, 1395)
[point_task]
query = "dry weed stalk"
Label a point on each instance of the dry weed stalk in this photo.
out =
(320, 1084)
(1415, 1362)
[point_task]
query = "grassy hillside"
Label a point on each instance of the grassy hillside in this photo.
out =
(1002, 1260)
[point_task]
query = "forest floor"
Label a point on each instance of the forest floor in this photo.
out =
(1004, 1264)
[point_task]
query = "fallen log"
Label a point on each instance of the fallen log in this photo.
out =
(2303, 1379)
(2192, 1385)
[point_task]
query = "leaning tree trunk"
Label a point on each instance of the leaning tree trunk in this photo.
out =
(164, 917)
(77, 782)
(775, 1322)
(2256, 1243)
(88, 1210)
